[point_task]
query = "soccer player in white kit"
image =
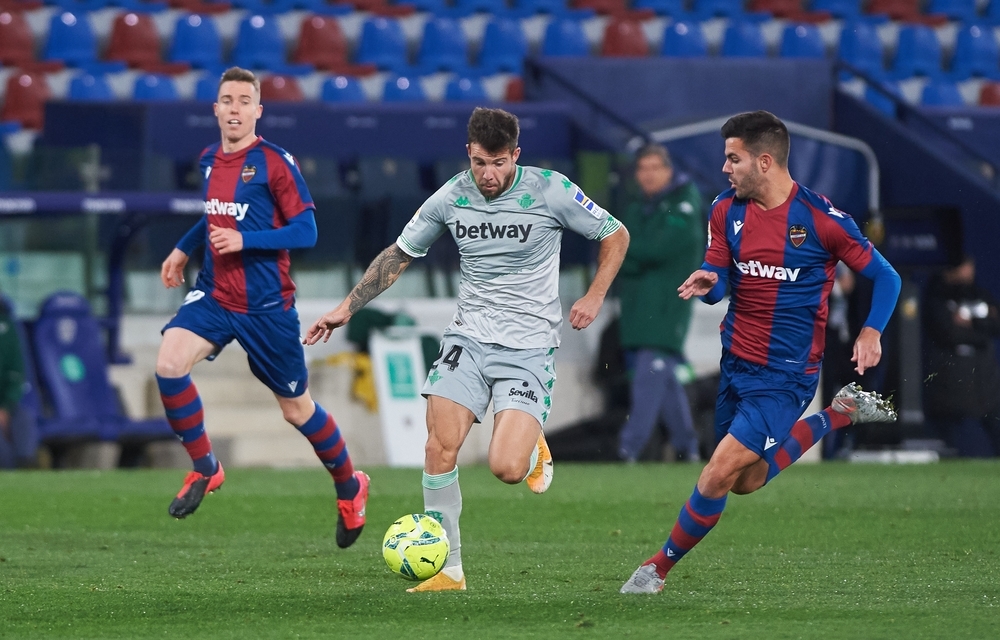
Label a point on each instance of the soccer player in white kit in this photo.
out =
(508, 222)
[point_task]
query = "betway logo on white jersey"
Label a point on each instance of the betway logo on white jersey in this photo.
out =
(761, 270)
(217, 207)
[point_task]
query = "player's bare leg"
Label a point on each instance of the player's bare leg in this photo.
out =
(518, 450)
(448, 425)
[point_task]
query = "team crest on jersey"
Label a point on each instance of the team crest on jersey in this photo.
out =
(797, 234)
(249, 171)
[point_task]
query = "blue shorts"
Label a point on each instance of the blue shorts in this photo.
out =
(758, 405)
(271, 340)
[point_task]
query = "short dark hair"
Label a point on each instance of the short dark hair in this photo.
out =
(238, 74)
(761, 132)
(495, 130)
(654, 149)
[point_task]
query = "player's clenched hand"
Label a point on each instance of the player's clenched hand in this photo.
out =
(585, 311)
(867, 349)
(172, 270)
(323, 327)
(225, 240)
(698, 284)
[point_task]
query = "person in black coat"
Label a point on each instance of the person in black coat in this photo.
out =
(962, 388)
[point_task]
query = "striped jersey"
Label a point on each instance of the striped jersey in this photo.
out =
(255, 189)
(781, 265)
(509, 248)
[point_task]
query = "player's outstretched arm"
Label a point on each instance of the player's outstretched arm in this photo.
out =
(381, 273)
(698, 284)
(172, 270)
(609, 260)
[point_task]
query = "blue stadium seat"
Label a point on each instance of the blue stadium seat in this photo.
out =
(683, 39)
(436, 7)
(861, 48)
(843, 9)
(465, 89)
(882, 102)
(443, 47)
(565, 37)
(672, 8)
(555, 8)
(154, 87)
(743, 39)
(469, 7)
(90, 88)
(196, 41)
(73, 368)
(259, 44)
(207, 88)
(962, 10)
(403, 89)
(342, 89)
(941, 93)
(918, 52)
(71, 39)
(707, 9)
(504, 47)
(993, 12)
(976, 53)
(802, 41)
(383, 44)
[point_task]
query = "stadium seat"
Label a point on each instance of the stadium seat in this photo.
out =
(134, 40)
(989, 94)
(843, 9)
(259, 44)
(154, 87)
(882, 102)
(787, 9)
(708, 9)
(802, 41)
(905, 11)
(71, 39)
(624, 38)
(743, 39)
(612, 8)
(73, 369)
(992, 12)
(322, 44)
(443, 47)
(383, 44)
(565, 37)
(280, 88)
(465, 89)
(24, 100)
(960, 10)
(514, 91)
(683, 39)
(941, 93)
(504, 47)
(342, 89)
(976, 53)
(554, 8)
(673, 8)
(207, 88)
(403, 89)
(389, 177)
(197, 42)
(17, 44)
(918, 52)
(434, 7)
(87, 87)
(861, 48)
(468, 7)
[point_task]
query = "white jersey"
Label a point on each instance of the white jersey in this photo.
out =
(509, 247)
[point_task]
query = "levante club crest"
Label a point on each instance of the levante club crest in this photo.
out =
(797, 234)
(249, 171)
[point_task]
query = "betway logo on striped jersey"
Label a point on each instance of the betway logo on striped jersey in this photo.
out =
(217, 207)
(761, 270)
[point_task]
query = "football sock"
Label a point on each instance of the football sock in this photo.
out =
(322, 432)
(698, 515)
(532, 462)
(443, 502)
(187, 419)
(805, 433)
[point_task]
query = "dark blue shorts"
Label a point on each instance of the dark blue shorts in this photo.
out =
(271, 340)
(758, 405)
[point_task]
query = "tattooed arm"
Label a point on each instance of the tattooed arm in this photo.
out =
(381, 273)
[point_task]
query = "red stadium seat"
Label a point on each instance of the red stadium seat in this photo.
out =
(25, 100)
(384, 9)
(515, 90)
(905, 11)
(624, 38)
(989, 94)
(280, 88)
(322, 44)
(17, 44)
(789, 10)
(134, 40)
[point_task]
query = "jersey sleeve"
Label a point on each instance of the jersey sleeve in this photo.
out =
(426, 225)
(717, 253)
(291, 195)
(575, 211)
(839, 234)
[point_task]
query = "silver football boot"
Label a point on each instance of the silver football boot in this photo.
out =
(644, 580)
(863, 406)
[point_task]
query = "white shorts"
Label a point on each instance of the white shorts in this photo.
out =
(472, 373)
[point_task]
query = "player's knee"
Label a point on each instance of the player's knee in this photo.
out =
(508, 471)
(437, 455)
(168, 367)
(296, 415)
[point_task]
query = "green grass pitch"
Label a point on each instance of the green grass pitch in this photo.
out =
(825, 551)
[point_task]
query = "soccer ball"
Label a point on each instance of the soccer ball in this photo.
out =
(415, 547)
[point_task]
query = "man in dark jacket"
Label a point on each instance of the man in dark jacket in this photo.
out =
(18, 434)
(963, 381)
(666, 225)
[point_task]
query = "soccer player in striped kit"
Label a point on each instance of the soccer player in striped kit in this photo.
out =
(257, 208)
(777, 244)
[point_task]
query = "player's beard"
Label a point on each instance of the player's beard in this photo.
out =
(503, 186)
(748, 188)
